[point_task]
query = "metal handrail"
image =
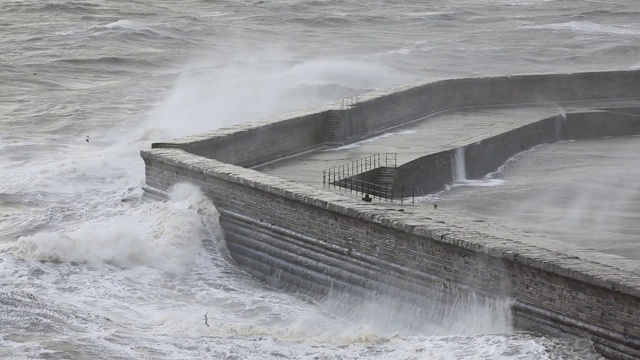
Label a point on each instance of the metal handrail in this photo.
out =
(349, 102)
(358, 166)
(404, 191)
(363, 187)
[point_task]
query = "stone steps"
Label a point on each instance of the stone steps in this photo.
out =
(387, 174)
(331, 125)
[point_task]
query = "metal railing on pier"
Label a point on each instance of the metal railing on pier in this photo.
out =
(353, 102)
(406, 193)
(382, 192)
(349, 102)
(345, 176)
(337, 173)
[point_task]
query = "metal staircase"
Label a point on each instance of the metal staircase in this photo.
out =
(349, 176)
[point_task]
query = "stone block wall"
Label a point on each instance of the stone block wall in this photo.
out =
(263, 141)
(316, 242)
(432, 172)
(250, 145)
(425, 174)
(315, 246)
(387, 110)
(599, 124)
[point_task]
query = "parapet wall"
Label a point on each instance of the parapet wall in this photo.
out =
(262, 141)
(432, 172)
(259, 142)
(315, 241)
(388, 110)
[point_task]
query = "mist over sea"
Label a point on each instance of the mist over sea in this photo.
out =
(91, 270)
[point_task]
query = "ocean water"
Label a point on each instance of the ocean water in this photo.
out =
(91, 270)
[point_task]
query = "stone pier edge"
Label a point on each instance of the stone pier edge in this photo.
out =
(569, 266)
(602, 300)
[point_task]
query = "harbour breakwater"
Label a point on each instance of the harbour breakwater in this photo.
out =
(312, 240)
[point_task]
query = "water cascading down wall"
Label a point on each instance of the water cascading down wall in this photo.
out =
(320, 242)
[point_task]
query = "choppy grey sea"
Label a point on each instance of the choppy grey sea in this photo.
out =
(91, 270)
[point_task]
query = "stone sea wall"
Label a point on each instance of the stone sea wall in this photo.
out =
(433, 171)
(320, 242)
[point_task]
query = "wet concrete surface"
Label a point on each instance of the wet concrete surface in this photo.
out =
(461, 127)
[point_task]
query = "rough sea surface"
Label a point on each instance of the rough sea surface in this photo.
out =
(91, 270)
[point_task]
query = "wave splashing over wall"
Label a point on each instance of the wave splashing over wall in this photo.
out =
(161, 235)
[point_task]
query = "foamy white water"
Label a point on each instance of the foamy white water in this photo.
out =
(89, 269)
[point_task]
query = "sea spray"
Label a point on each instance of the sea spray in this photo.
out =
(162, 235)
(461, 314)
(214, 93)
(459, 170)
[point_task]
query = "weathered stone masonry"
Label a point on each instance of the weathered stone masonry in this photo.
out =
(317, 241)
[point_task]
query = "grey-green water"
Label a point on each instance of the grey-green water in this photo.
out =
(86, 275)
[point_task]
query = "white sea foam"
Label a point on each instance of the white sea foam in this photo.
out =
(487, 181)
(418, 46)
(126, 24)
(588, 27)
(134, 26)
(166, 236)
(338, 323)
(481, 182)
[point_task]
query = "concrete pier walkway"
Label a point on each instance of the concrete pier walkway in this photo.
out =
(286, 228)
(445, 131)
(427, 135)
